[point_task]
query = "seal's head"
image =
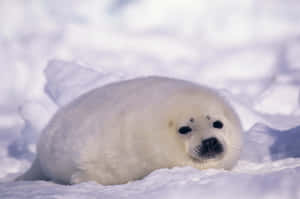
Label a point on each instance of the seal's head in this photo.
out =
(211, 133)
(209, 146)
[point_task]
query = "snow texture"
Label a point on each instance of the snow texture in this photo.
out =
(53, 51)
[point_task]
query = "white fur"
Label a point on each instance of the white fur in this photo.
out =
(123, 131)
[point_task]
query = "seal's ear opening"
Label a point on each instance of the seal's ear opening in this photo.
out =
(184, 130)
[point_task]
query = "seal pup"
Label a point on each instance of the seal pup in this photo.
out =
(123, 131)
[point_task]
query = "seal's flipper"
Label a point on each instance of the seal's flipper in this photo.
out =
(33, 173)
(78, 177)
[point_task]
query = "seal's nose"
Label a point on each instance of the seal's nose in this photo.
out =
(211, 147)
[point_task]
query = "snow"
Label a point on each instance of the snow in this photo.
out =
(175, 183)
(53, 51)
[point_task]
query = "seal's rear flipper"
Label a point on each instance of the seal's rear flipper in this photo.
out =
(79, 177)
(33, 173)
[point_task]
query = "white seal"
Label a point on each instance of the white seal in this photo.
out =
(123, 131)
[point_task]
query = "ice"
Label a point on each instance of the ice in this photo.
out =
(274, 100)
(265, 144)
(293, 54)
(67, 80)
(53, 51)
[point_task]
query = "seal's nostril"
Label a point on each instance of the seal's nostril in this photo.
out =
(210, 142)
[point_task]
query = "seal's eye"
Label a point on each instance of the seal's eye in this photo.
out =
(218, 124)
(185, 130)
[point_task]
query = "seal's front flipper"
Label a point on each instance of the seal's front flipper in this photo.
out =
(34, 173)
